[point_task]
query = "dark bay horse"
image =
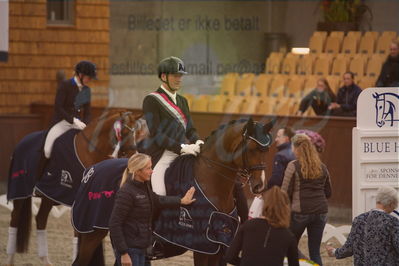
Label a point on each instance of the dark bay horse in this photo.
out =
(237, 147)
(114, 128)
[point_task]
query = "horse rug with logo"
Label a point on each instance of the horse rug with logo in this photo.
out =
(61, 178)
(200, 227)
(96, 195)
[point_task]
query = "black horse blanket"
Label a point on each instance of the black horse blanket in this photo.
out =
(61, 178)
(23, 167)
(95, 198)
(200, 226)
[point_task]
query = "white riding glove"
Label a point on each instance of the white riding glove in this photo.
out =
(77, 124)
(193, 149)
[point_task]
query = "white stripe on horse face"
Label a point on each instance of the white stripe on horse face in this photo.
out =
(263, 177)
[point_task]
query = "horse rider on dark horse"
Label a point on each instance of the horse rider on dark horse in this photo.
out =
(71, 108)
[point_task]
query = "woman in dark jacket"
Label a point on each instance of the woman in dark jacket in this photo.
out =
(307, 182)
(266, 240)
(319, 98)
(131, 218)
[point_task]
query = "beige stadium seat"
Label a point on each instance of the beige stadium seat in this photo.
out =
(244, 84)
(373, 34)
(229, 84)
(249, 105)
(306, 64)
(337, 34)
(282, 106)
(233, 104)
(390, 34)
(355, 34)
(273, 63)
(349, 45)
(200, 103)
(216, 103)
(383, 44)
(289, 65)
(322, 66)
(333, 45)
(310, 84)
(266, 105)
(367, 44)
(295, 86)
(262, 84)
(340, 65)
(374, 65)
(367, 82)
(323, 34)
(189, 97)
(357, 65)
(277, 86)
(334, 82)
(316, 44)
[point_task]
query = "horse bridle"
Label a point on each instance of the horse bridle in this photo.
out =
(246, 170)
(118, 127)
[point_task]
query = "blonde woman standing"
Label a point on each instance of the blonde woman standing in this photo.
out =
(131, 219)
(307, 182)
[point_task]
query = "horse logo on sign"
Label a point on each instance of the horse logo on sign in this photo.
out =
(385, 106)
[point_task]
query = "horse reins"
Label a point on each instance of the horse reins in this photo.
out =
(246, 171)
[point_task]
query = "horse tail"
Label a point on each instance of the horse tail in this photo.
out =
(24, 225)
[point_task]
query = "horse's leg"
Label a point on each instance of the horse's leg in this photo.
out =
(207, 260)
(88, 243)
(41, 234)
(75, 245)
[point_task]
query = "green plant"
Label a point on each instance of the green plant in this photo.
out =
(344, 10)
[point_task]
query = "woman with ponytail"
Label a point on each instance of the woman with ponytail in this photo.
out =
(307, 182)
(131, 218)
(266, 240)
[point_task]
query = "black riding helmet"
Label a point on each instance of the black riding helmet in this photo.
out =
(86, 68)
(171, 65)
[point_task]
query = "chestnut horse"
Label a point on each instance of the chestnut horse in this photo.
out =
(95, 143)
(237, 147)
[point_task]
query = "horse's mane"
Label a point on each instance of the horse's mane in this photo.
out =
(224, 127)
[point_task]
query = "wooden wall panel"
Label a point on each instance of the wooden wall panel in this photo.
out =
(37, 51)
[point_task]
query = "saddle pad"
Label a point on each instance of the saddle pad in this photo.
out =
(187, 226)
(61, 178)
(23, 166)
(96, 195)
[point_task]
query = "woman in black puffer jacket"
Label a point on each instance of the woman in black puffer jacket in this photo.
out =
(131, 218)
(389, 76)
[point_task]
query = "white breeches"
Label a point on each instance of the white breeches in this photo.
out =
(158, 175)
(56, 131)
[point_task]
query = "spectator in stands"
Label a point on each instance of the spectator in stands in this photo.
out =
(266, 240)
(282, 157)
(389, 76)
(374, 236)
(131, 219)
(346, 98)
(307, 182)
(320, 98)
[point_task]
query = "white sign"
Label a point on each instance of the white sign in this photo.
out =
(375, 147)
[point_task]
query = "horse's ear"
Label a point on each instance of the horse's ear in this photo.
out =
(137, 117)
(250, 126)
(269, 126)
(375, 95)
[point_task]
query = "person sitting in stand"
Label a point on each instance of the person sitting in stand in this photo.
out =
(319, 98)
(346, 98)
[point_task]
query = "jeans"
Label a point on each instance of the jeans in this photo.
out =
(314, 223)
(137, 255)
